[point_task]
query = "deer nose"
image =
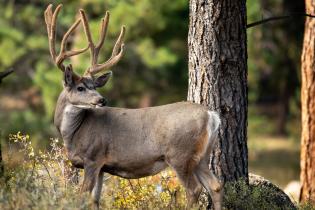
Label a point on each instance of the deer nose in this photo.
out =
(102, 101)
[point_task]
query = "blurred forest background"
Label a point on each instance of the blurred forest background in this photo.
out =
(154, 70)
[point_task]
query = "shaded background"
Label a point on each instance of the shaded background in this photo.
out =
(154, 71)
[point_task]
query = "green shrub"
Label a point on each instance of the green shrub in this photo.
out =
(239, 195)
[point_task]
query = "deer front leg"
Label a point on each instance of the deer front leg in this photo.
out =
(91, 176)
(96, 192)
(89, 180)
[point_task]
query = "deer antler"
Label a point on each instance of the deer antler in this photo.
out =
(95, 49)
(51, 19)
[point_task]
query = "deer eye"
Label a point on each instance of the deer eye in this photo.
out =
(80, 89)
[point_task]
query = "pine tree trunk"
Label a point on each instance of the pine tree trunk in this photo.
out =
(308, 109)
(218, 77)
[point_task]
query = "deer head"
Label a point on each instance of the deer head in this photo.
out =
(81, 90)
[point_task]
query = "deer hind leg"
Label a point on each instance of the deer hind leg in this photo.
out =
(189, 181)
(193, 190)
(192, 187)
(211, 183)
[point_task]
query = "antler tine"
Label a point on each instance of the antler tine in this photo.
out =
(67, 34)
(109, 63)
(119, 41)
(88, 35)
(116, 54)
(51, 20)
(67, 54)
(53, 26)
(86, 26)
(94, 50)
(103, 32)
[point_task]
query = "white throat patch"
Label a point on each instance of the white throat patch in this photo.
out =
(70, 121)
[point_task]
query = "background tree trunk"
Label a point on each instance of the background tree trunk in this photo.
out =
(308, 109)
(218, 77)
(3, 74)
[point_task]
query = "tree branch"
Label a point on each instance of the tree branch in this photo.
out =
(278, 18)
(5, 73)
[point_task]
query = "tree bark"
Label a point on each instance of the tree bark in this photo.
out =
(308, 109)
(218, 77)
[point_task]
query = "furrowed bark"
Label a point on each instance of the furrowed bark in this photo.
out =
(218, 77)
(308, 109)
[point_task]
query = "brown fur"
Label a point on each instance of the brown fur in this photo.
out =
(201, 146)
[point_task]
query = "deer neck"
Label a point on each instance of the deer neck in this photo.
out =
(68, 119)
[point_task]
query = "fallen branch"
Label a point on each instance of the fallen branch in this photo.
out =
(250, 25)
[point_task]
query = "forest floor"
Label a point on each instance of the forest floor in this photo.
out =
(275, 158)
(278, 160)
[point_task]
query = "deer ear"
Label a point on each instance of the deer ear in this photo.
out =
(102, 80)
(68, 77)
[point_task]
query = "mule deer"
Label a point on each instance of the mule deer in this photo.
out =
(129, 143)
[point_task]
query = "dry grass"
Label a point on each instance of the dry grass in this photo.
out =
(36, 180)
